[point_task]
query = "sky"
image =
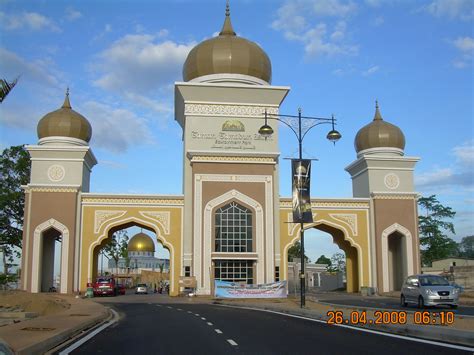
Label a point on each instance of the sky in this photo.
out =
(120, 60)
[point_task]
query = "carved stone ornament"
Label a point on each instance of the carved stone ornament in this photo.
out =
(56, 173)
(228, 110)
(391, 181)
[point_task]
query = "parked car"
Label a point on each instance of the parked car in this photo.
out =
(141, 289)
(428, 290)
(121, 289)
(105, 286)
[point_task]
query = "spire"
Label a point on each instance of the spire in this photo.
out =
(66, 103)
(377, 116)
(227, 29)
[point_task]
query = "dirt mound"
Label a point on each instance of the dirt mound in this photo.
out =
(41, 303)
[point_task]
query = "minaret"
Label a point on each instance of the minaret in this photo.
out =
(384, 174)
(61, 164)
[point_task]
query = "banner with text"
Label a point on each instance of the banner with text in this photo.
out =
(226, 289)
(301, 173)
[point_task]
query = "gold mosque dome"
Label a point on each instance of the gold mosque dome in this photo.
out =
(65, 122)
(379, 134)
(227, 54)
(141, 242)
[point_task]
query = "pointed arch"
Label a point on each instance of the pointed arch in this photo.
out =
(38, 254)
(408, 249)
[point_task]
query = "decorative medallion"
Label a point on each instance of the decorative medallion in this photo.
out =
(233, 126)
(56, 173)
(392, 181)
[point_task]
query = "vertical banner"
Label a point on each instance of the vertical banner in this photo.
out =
(301, 173)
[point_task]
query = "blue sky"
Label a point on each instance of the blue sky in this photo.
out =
(121, 58)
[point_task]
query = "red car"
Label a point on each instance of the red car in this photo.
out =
(105, 286)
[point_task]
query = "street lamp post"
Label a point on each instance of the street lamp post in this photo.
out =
(300, 128)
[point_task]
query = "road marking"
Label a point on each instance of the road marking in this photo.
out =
(432, 342)
(203, 318)
(218, 331)
(179, 309)
(169, 307)
(231, 342)
(209, 323)
(190, 312)
(158, 305)
(197, 315)
(89, 336)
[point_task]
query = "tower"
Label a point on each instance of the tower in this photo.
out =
(61, 164)
(384, 174)
(230, 171)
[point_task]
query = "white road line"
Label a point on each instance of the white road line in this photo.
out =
(417, 340)
(158, 305)
(169, 307)
(197, 315)
(190, 312)
(209, 323)
(179, 309)
(218, 331)
(231, 342)
(203, 318)
(91, 334)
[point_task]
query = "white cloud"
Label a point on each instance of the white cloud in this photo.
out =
(28, 20)
(371, 70)
(465, 45)
(138, 64)
(115, 129)
(452, 9)
(72, 14)
(298, 21)
(39, 71)
(378, 21)
(460, 175)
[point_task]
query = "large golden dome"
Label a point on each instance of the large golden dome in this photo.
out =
(65, 122)
(227, 54)
(141, 242)
(378, 134)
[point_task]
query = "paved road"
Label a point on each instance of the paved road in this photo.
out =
(153, 325)
(383, 302)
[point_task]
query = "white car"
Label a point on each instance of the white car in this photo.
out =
(141, 289)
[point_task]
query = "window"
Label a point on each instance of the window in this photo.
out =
(187, 271)
(277, 273)
(233, 229)
(234, 270)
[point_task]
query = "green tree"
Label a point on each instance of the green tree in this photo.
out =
(116, 248)
(15, 167)
(6, 87)
(294, 252)
(466, 247)
(323, 260)
(338, 263)
(434, 222)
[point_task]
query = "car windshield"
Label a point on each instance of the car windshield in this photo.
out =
(103, 281)
(141, 285)
(433, 281)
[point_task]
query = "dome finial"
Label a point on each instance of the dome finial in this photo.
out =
(377, 116)
(66, 103)
(227, 29)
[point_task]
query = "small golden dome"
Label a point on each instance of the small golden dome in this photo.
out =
(141, 242)
(65, 122)
(227, 54)
(378, 134)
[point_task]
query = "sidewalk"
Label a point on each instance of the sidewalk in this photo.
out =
(38, 335)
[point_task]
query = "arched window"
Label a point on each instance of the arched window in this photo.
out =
(233, 228)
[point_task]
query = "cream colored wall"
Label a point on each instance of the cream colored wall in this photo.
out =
(349, 217)
(162, 216)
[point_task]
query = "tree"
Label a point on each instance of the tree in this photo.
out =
(294, 252)
(338, 263)
(116, 248)
(433, 224)
(466, 247)
(6, 87)
(323, 260)
(15, 167)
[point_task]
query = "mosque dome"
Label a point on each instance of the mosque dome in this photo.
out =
(379, 134)
(141, 242)
(228, 54)
(65, 122)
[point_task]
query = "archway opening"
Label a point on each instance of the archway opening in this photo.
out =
(50, 274)
(133, 254)
(325, 244)
(397, 260)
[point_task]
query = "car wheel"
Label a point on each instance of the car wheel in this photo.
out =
(403, 301)
(421, 302)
